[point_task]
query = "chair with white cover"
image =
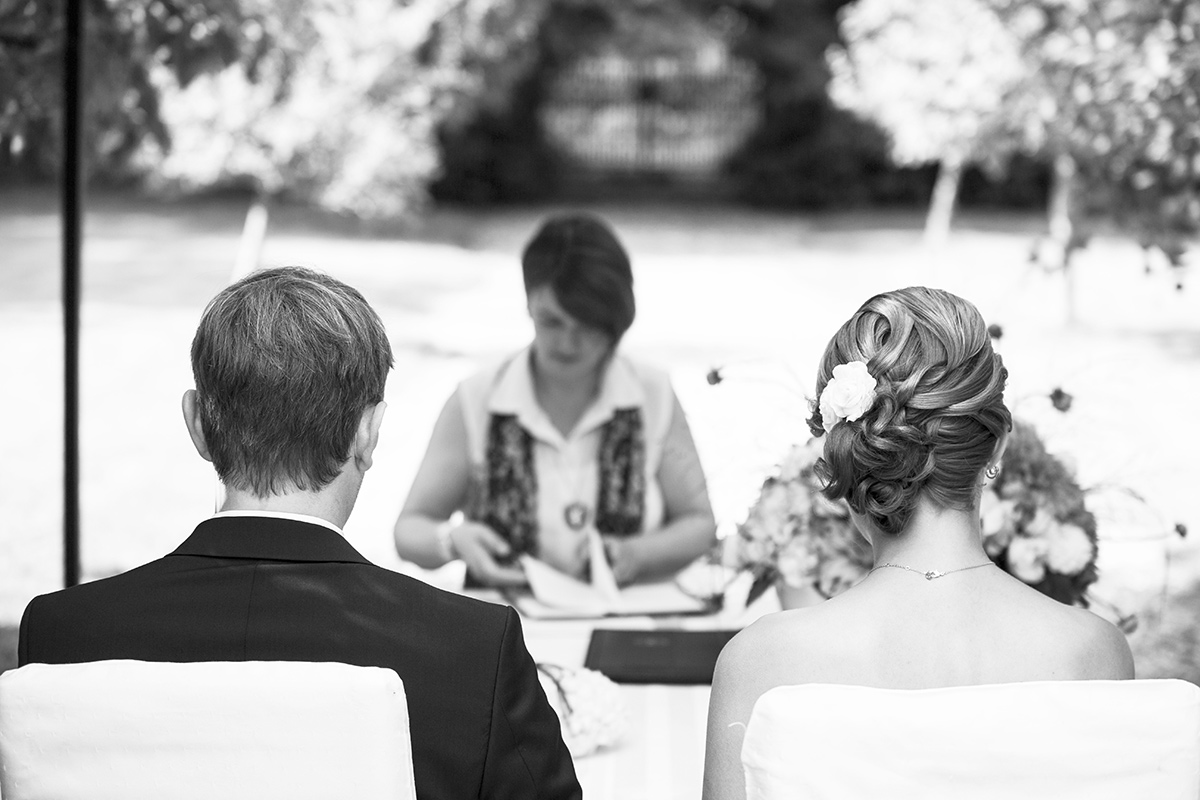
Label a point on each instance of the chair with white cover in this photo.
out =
(1068, 740)
(177, 731)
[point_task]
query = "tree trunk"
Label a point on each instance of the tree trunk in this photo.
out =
(1062, 226)
(254, 230)
(941, 206)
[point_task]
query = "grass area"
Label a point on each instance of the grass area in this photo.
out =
(1167, 645)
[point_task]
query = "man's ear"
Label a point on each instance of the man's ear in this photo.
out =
(191, 418)
(368, 435)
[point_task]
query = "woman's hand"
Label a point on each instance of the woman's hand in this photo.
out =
(623, 558)
(479, 547)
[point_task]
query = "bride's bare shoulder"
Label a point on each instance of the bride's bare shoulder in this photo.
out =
(1072, 642)
(1100, 650)
(778, 648)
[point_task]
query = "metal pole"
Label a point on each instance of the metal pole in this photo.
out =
(72, 239)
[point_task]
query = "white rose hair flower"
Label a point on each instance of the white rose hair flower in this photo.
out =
(848, 395)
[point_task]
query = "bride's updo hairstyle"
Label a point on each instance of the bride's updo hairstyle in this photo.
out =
(938, 411)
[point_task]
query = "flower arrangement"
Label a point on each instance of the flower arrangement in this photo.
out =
(1035, 523)
(794, 535)
(588, 705)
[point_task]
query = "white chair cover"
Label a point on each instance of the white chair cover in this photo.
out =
(1080, 740)
(256, 729)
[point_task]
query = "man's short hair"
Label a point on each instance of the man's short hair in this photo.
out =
(285, 361)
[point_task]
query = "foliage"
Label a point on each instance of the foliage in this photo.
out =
(491, 145)
(807, 152)
(333, 101)
(1115, 86)
(127, 41)
(332, 115)
(499, 152)
(908, 67)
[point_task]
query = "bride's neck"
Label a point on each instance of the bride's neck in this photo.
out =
(935, 538)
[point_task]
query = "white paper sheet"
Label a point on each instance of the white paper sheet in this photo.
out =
(556, 594)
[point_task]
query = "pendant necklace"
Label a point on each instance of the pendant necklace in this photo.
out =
(930, 574)
(576, 513)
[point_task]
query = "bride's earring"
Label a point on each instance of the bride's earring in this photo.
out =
(992, 472)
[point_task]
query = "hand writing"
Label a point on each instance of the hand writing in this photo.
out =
(479, 547)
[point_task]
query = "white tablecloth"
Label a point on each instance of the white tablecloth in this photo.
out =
(662, 754)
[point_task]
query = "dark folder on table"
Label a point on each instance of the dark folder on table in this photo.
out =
(656, 656)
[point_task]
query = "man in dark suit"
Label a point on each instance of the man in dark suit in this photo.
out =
(290, 367)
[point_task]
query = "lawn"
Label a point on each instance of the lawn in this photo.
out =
(754, 293)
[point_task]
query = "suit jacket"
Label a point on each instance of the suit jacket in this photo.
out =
(271, 589)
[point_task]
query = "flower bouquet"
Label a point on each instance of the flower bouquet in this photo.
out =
(588, 705)
(1035, 523)
(793, 535)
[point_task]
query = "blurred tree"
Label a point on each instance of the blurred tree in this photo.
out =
(497, 150)
(334, 101)
(807, 152)
(127, 42)
(1113, 97)
(936, 77)
(338, 113)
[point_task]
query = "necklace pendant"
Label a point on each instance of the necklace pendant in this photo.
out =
(575, 515)
(933, 573)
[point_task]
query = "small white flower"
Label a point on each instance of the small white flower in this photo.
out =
(995, 515)
(1068, 549)
(1027, 558)
(796, 563)
(774, 510)
(1041, 524)
(848, 394)
(837, 575)
(753, 551)
(800, 458)
(589, 705)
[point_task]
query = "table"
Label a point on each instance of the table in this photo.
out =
(662, 754)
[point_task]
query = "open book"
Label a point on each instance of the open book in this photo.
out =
(554, 594)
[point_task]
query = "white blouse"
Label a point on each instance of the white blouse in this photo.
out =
(567, 467)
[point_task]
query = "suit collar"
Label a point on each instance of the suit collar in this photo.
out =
(267, 538)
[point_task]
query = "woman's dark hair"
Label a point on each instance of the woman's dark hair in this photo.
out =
(938, 412)
(580, 258)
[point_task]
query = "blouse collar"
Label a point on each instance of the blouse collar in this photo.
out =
(514, 394)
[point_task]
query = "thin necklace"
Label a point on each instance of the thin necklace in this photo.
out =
(933, 573)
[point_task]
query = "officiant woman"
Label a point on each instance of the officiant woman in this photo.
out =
(566, 436)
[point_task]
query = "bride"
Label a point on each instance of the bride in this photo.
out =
(914, 423)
